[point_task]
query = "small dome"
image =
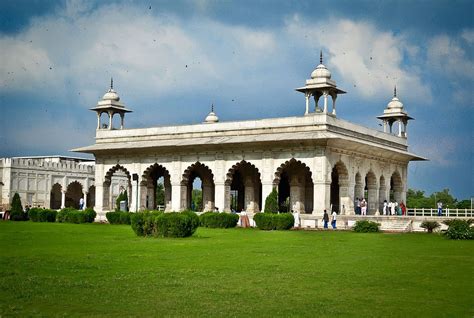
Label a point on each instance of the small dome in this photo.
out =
(395, 103)
(211, 118)
(321, 72)
(111, 95)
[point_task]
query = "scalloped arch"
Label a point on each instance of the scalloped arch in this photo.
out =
(193, 167)
(242, 163)
(286, 165)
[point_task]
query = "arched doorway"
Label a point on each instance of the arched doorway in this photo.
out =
(73, 195)
(117, 180)
(243, 180)
(396, 187)
(156, 188)
(200, 172)
(370, 192)
(339, 197)
(295, 187)
(55, 197)
(91, 197)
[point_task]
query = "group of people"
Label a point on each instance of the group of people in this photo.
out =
(333, 219)
(361, 206)
(393, 208)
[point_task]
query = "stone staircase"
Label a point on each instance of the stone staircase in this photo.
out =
(396, 226)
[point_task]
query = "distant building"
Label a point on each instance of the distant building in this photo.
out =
(47, 181)
(315, 161)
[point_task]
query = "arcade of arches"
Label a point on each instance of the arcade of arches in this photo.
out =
(70, 197)
(243, 188)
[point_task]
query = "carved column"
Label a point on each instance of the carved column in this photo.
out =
(250, 205)
(63, 199)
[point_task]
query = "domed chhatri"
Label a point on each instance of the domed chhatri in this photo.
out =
(111, 94)
(111, 105)
(395, 113)
(320, 85)
(321, 71)
(211, 117)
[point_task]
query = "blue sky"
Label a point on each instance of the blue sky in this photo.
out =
(171, 59)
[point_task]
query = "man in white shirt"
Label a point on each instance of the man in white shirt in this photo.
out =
(333, 221)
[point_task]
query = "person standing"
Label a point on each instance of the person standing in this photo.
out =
(81, 203)
(385, 206)
(404, 208)
(363, 206)
(440, 208)
(333, 221)
(326, 219)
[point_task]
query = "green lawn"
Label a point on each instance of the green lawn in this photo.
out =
(104, 270)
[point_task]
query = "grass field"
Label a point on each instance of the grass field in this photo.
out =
(104, 270)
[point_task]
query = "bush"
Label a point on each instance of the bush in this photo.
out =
(283, 221)
(460, 230)
(142, 222)
(218, 220)
(16, 213)
(366, 227)
(33, 214)
(430, 225)
(271, 202)
(161, 224)
(118, 217)
(71, 215)
(271, 221)
(46, 215)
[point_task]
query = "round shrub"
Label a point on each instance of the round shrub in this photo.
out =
(143, 222)
(46, 215)
(218, 220)
(63, 214)
(364, 226)
(33, 214)
(194, 219)
(283, 221)
(271, 221)
(118, 217)
(460, 230)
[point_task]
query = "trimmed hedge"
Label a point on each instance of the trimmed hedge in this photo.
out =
(71, 215)
(159, 224)
(218, 220)
(118, 217)
(366, 227)
(271, 221)
(460, 230)
(42, 215)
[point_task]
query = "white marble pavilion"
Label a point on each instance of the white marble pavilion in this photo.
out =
(316, 161)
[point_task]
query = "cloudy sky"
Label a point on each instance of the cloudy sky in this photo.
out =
(171, 59)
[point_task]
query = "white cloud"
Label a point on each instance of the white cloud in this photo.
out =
(368, 59)
(446, 55)
(468, 36)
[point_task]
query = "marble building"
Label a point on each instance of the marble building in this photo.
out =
(316, 161)
(47, 181)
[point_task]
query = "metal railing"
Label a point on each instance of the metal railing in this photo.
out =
(447, 212)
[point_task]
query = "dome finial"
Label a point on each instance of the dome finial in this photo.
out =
(212, 107)
(320, 56)
(111, 83)
(395, 91)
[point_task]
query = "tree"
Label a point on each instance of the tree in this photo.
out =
(271, 202)
(16, 213)
(196, 199)
(445, 197)
(160, 194)
(464, 204)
